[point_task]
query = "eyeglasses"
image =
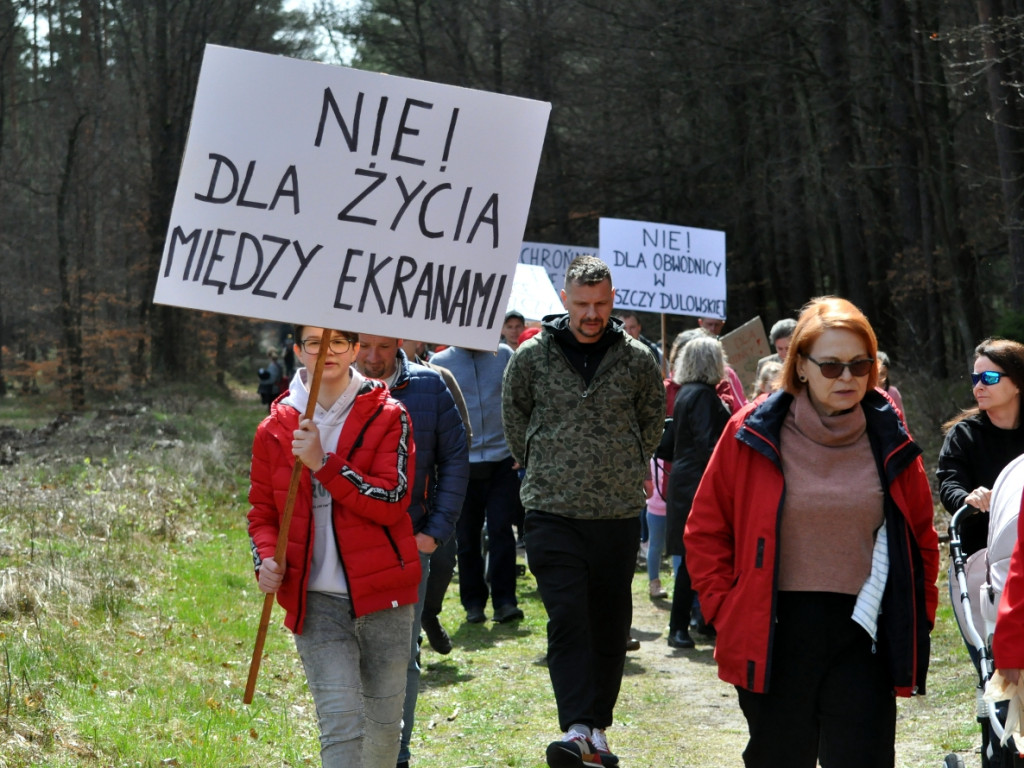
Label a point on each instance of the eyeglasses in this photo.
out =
(338, 345)
(833, 370)
(988, 378)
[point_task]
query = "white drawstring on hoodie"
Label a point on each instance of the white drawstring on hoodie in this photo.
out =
(326, 573)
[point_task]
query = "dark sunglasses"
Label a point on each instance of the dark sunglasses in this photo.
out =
(833, 370)
(988, 378)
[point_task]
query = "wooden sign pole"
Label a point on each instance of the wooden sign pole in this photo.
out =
(286, 521)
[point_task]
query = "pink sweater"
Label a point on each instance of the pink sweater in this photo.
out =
(833, 501)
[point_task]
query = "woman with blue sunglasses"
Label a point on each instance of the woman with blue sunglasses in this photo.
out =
(984, 439)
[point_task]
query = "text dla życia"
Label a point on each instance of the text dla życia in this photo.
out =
(271, 266)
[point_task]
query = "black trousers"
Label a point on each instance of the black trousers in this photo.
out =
(584, 569)
(442, 568)
(682, 598)
(492, 500)
(829, 694)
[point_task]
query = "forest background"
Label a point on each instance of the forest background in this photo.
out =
(872, 149)
(868, 148)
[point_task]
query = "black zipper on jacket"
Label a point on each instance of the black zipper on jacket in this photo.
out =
(770, 450)
(362, 432)
(890, 466)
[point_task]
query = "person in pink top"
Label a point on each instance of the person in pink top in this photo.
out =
(656, 487)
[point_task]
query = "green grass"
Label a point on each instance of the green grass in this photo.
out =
(128, 616)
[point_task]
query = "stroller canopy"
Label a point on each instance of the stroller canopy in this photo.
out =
(1002, 524)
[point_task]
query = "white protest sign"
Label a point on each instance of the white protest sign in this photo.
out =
(554, 258)
(347, 199)
(665, 268)
(532, 293)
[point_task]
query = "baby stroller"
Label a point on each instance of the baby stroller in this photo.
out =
(978, 580)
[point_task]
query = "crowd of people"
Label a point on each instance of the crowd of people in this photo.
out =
(796, 519)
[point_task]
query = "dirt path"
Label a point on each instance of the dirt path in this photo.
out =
(710, 729)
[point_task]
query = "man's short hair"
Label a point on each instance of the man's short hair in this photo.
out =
(587, 270)
(783, 329)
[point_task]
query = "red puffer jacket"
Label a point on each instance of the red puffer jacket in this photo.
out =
(368, 477)
(732, 536)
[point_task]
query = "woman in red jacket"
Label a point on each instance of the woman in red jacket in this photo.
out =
(811, 546)
(349, 583)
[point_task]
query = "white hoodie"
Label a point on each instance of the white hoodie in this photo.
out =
(326, 572)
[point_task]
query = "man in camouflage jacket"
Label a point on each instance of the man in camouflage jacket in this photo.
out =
(583, 406)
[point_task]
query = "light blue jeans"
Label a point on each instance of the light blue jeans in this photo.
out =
(356, 672)
(655, 545)
(412, 675)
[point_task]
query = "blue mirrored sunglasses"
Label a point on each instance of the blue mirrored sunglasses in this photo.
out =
(988, 378)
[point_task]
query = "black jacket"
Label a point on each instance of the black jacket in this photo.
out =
(698, 418)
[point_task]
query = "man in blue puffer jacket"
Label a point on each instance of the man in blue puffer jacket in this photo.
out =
(442, 472)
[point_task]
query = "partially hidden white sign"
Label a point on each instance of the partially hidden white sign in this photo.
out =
(348, 199)
(532, 293)
(665, 268)
(555, 259)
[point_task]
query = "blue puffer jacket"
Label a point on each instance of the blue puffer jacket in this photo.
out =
(442, 458)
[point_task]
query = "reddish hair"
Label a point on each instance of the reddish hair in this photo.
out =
(819, 315)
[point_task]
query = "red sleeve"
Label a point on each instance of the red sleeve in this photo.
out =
(264, 516)
(710, 535)
(724, 391)
(913, 495)
(375, 481)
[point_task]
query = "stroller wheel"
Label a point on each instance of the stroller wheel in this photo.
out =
(953, 761)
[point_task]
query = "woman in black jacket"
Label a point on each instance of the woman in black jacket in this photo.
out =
(981, 441)
(698, 418)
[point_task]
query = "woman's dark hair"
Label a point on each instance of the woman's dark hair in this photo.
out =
(1008, 355)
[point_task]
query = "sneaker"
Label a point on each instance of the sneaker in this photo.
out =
(600, 742)
(507, 612)
(575, 750)
(656, 590)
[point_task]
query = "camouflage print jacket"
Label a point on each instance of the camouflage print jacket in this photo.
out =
(585, 448)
